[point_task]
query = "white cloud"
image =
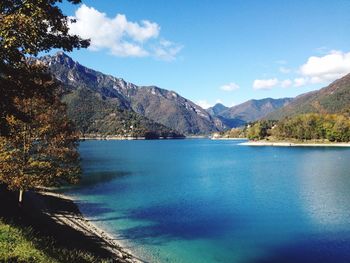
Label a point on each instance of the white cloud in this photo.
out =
(326, 68)
(121, 37)
(317, 69)
(141, 32)
(265, 84)
(167, 50)
(286, 83)
(204, 104)
(298, 82)
(285, 70)
(230, 87)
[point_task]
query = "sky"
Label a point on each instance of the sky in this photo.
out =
(226, 51)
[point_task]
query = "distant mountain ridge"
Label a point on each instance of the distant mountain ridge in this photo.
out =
(157, 105)
(216, 109)
(248, 111)
(335, 98)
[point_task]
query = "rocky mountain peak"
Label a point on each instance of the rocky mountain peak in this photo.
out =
(159, 105)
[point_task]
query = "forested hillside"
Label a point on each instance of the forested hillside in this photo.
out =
(159, 105)
(334, 98)
(94, 115)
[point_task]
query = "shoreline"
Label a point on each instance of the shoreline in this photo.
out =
(229, 139)
(293, 144)
(80, 223)
(107, 138)
(126, 138)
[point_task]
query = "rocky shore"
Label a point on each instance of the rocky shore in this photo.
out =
(78, 222)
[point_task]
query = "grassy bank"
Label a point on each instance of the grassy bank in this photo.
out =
(18, 245)
(41, 230)
(24, 244)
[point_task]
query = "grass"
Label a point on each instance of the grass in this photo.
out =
(17, 245)
(29, 234)
(22, 244)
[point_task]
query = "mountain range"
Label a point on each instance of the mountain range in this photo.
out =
(248, 111)
(107, 105)
(332, 99)
(104, 96)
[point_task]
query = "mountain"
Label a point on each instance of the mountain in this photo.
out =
(248, 111)
(157, 105)
(216, 109)
(94, 115)
(335, 98)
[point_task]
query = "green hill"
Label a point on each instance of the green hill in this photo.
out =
(334, 98)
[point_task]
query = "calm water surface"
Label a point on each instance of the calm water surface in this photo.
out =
(215, 201)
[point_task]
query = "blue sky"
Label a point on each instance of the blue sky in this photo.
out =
(209, 51)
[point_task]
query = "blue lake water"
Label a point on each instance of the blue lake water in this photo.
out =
(216, 201)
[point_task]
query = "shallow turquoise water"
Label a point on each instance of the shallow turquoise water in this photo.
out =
(216, 201)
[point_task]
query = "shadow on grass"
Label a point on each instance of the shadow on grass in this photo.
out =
(58, 241)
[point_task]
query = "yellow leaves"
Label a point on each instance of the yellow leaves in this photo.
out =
(36, 164)
(39, 117)
(44, 129)
(41, 151)
(11, 120)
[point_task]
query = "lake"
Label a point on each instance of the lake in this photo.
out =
(199, 200)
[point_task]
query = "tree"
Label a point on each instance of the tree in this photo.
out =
(41, 151)
(341, 129)
(260, 130)
(28, 27)
(312, 126)
(38, 145)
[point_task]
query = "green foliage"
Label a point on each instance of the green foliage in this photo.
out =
(22, 244)
(260, 129)
(304, 127)
(334, 128)
(234, 133)
(16, 247)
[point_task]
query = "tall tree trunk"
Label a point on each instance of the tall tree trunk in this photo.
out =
(20, 199)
